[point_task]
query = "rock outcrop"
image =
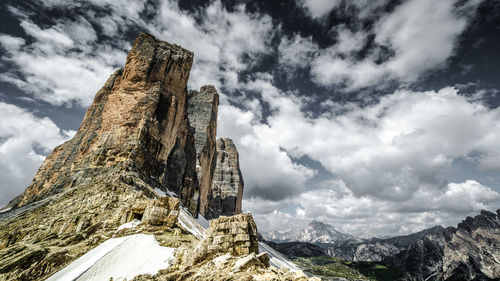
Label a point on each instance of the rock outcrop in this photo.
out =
(202, 112)
(469, 252)
(229, 252)
(137, 123)
(225, 196)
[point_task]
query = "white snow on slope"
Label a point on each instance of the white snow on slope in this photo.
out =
(277, 259)
(191, 224)
(203, 221)
(130, 224)
(163, 193)
(121, 258)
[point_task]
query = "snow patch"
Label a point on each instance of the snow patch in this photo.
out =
(121, 258)
(5, 210)
(202, 221)
(165, 193)
(131, 224)
(276, 259)
(160, 192)
(190, 224)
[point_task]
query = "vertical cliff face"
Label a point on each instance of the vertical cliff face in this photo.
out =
(136, 123)
(202, 112)
(226, 193)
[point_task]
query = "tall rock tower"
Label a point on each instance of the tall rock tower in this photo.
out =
(136, 129)
(202, 112)
(226, 192)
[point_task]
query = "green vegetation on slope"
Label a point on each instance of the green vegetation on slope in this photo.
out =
(326, 267)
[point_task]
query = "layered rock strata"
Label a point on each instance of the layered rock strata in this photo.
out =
(225, 196)
(137, 122)
(202, 113)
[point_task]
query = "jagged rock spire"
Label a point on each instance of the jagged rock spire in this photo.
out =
(137, 122)
(226, 193)
(202, 112)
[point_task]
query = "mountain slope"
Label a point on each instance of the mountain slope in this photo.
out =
(469, 252)
(108, 183)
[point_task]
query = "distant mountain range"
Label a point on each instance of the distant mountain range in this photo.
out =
(315, 232)
(346, 246)
(471, 251)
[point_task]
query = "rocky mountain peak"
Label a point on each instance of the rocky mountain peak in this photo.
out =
(320, 225)
(485, 219)
(468, 252)
(138, 123)
(319, 232)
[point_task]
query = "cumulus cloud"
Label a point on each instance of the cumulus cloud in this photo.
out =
(221, 41)
(268, 171)
(368, 217)
(24, 141)
(394, 147)
(413, 39)
(318, 9)
(391, 157)
(64, 64)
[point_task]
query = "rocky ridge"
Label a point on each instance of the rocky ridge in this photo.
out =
(135, 144)
(469, 252)
(377, 249)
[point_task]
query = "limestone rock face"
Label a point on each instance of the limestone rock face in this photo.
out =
(137, 122)
(162, 211)
(202, 113)
(225, 196)
(229, 252)
(469, 252)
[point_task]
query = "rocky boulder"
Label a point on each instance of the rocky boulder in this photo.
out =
(162, 211)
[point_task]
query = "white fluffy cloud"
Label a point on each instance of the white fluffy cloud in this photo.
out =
(392, 148)
(64, 64)
(318, 8)
(267, 170)
(24, 138)
(220, 42)
(417, 37)
(391, 158)
(335, 204)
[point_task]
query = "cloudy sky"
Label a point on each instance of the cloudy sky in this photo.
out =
(379, 117)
